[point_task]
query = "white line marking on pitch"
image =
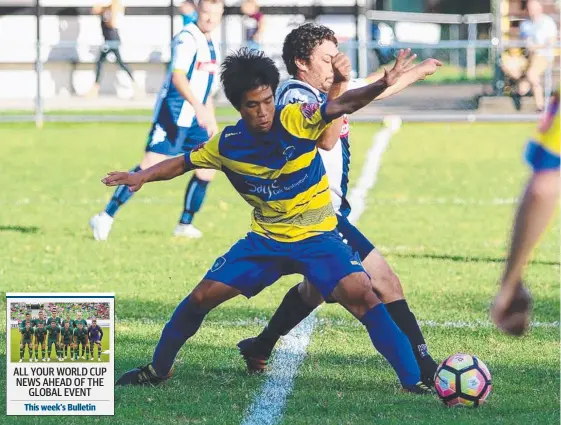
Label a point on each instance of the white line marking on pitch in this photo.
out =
(269, 403)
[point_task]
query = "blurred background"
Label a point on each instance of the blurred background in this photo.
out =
(49, 50)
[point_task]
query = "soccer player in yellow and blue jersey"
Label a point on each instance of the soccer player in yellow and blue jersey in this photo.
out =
(511, 309)
(271, 158)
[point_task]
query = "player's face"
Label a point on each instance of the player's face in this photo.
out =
(318, 72)
(258, 109)
(210, 15)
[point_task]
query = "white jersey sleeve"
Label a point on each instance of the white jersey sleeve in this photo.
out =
(357, 83)
(294, 93)
(184, 52)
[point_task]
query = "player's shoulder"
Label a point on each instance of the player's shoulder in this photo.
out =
(296, 91)
(186, 34)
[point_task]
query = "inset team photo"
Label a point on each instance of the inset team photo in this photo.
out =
(59, 332)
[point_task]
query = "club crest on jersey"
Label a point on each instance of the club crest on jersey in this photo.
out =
(289, 152)
(218, 264)
(210, 66)
(309, 109)
(198, 147)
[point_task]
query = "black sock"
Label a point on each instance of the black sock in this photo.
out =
(292, 311)
(405, 319)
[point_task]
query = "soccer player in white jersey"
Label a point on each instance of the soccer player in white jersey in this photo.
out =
(320, 72)
(183, 116)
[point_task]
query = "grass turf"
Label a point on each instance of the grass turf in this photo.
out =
(440, 213)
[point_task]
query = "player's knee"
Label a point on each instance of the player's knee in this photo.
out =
(385, 282)
(310, 294)
(150, 159)
(206, 175)
(355, 293)
(543, 186)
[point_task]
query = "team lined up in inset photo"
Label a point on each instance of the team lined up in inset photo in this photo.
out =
(54, 338)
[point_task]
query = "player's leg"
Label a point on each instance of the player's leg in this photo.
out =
(247, 268)
(534, 75)
(43, 350)
(388, 287)
(98, 351)
(101, 223)
(91, 350)
(103, 52)
(189, 139)
(121, 63)
(536, 208)
(335, 271)
(194, 197)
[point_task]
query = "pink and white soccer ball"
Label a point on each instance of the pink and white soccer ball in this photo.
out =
(463, 380)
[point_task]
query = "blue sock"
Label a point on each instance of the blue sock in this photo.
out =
(392, 343)
(184, 323)
(194, 196)
(120, 197)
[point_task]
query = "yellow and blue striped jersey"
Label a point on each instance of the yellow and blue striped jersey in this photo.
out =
(542, 152)
(279, 173)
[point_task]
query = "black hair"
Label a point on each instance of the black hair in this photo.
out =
(245, 70)
(301, 41)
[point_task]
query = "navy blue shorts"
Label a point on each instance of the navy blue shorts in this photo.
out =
(167, 138)
(256, 262)
(352, 237)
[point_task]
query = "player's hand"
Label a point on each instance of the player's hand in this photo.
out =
(116, 178)
(212, 130)
(429, 67)
(205, 118)
(511, 309)
(402, 65)
(341, 68)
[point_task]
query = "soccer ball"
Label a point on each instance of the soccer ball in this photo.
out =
(463, 380)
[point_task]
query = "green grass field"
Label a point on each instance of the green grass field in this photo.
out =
(440, 212)
(15, 344)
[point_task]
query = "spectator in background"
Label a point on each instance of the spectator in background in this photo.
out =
(253, 24)
(111, 15)
(188, 10)
(539, 32)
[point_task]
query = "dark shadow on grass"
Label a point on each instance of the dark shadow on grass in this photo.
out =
(467, 259)
(20, 229)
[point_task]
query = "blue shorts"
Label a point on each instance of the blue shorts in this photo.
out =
(167, 138)
(256, 262)
(354, 238)
(540, 158)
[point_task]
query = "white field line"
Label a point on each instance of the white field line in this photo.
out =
(269, 403)
(340, 323)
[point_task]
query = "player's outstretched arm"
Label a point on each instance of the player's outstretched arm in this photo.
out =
(165, 170)
(411, 76)
(356, 99)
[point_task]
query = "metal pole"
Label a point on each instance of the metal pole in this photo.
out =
(171, 26)
(362, 38)
(455, 35)
(38, 67)
(498, 80)
(472, 36)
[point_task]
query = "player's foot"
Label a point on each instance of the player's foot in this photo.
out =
(71, 359)
(101, 225)
(49, 359)
(418, 388)
(36, 360)
(256, 362)
(44, 359)
(392, 122)
(21, 360)
(99, 359)
(60, 359)
(143, 375)
(187, 231)
(83, 358)
(91, 359)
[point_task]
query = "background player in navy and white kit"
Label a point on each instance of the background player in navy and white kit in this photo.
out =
(183, 116)
(95, 335)
(320, 72)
